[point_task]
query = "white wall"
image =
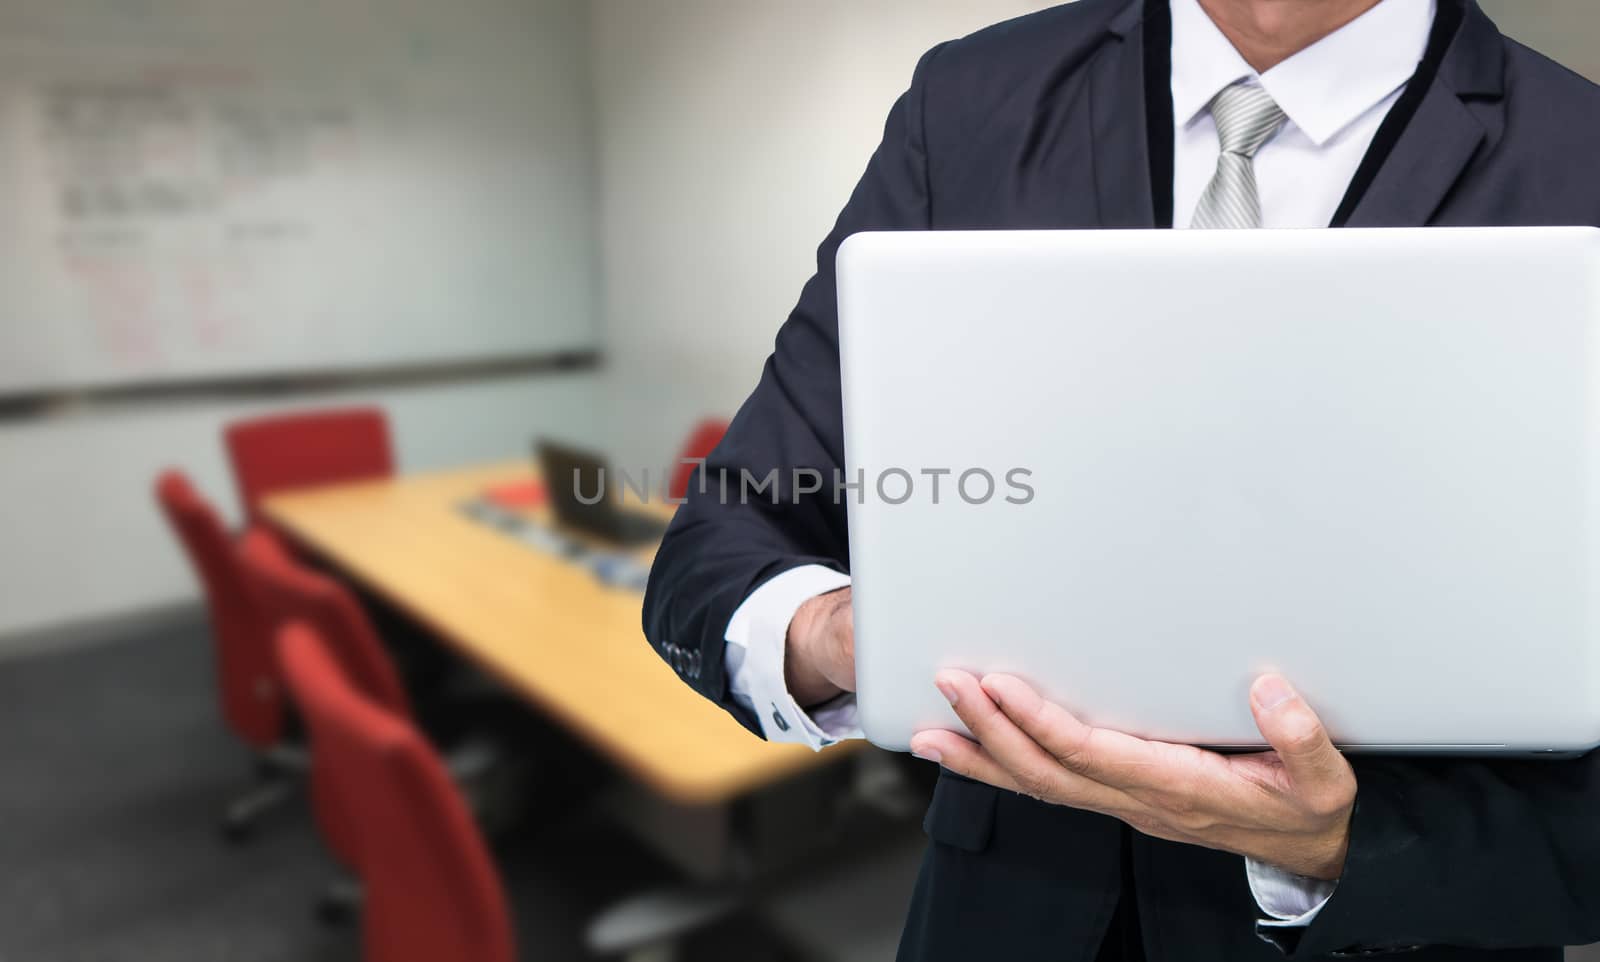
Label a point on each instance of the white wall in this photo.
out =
(82, 537)
(1562, 29)
(731, 132)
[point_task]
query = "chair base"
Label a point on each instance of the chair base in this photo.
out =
(279, 772)
(647, 927)
(245, 813)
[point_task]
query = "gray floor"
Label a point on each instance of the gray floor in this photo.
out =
(113, 771)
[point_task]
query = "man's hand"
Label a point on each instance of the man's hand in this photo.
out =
(819, 656)
(1289, 807)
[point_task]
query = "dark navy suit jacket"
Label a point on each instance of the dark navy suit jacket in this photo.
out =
(1062, 119)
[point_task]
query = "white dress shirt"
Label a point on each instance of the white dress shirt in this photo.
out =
(1336, 93)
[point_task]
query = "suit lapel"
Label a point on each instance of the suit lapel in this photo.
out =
(1444, 134)
(1430, 156)
(1082, 162)
(1117, 125)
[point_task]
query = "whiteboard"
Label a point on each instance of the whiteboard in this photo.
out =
(211, 188)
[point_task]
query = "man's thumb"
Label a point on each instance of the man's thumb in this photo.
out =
(1295, 732)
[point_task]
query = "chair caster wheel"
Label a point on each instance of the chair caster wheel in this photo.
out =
(236, 831)
(340, 903)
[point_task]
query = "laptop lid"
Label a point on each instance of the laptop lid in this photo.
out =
(579, 486)
(1141, 468)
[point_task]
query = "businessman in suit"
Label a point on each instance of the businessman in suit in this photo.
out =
(1050, 840)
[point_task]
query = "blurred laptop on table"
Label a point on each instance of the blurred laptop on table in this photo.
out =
(574, 477)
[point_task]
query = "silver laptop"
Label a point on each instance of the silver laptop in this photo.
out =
(1141, 468)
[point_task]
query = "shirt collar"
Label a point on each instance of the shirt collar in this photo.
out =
(1324, 88)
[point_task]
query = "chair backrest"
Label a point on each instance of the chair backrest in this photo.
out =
(287, 590)
(247, 675)
(705, 437)
(283, 452)
(430, 889)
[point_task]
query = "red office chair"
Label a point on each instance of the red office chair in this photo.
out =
(247, 676)
(285, 590)
(282, 452)
(705, 437)
(430, 888)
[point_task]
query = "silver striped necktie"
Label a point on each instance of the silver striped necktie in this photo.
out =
(1246, 118)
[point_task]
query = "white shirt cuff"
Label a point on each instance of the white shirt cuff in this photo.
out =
(756, 637)
(1292, 901)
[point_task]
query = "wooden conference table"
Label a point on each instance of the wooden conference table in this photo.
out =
(545, 626)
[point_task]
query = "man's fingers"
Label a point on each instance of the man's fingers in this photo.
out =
(962, 756)
(990, 726)
(1105, 756)
(1296, 733)
(1032, 768)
